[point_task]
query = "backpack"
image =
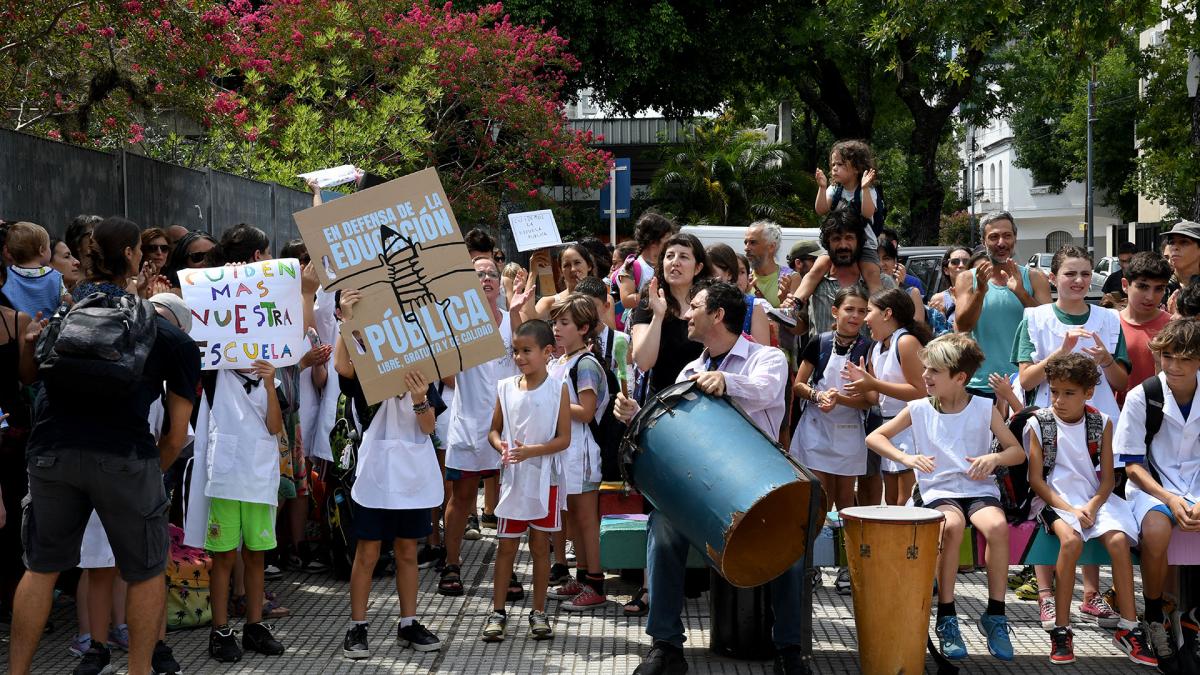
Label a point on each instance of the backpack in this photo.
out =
(99, 346)
(1155, 398)
(1015, 495)
(1049, 432)
(859, 350)
(609, 431)
(876, 220)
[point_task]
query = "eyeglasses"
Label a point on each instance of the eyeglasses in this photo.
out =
(958, 262)
(487, 275)
(197, 257)
(156, 248)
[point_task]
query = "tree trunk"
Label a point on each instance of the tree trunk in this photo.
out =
(925, 202)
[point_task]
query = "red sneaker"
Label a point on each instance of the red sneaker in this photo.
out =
(1062, 649)
(1134, 644)
(587, 600)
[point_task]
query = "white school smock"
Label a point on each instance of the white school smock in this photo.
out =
(397, 466)
(833, 442)
(319, 408)
(467, 447)
(1077, 480)
(1175, 449)
(530, 417)
(886, 367)
(242, 457)
(581, 461)
(1046, 333)
(949, 438)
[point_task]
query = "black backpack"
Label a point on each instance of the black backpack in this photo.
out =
(99, 346)
(1155, 397)
(876, 220)
(609, 431)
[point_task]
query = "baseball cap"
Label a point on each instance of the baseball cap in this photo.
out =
(807, 248)
(1185, 228)
(177, 307)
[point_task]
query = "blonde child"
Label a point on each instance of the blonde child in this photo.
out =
(531, 426)
(952, 435)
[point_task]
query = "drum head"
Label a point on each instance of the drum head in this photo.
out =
(892, 514)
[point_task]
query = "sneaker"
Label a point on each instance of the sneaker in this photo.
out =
(489, 520)
(257, 637)
(1046, 613)
(418, 637)
(1062, 649)
(430, 556)
(1019, 579)
(1134, 644)
(495, 628)
(790, 661)
(118, 637)
(663, 658)
(223, 645)
(539, 626)
(566, 591)
(1028, 590)
(355, 645)
(1161, 640)
(95, 661)
(996, 629)
(842, 583)
(559, 574)
(472, 532)
(1097, 608)
(162, 661)
(814, 578)
(572, 561)
(587, 600)
(79, 645)
(272, 573)
(950, 638)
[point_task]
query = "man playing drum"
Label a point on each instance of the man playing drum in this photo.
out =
(755, 377)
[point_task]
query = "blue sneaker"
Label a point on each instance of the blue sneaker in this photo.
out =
(950, 638)
(996, 629)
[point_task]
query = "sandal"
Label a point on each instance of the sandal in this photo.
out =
(451, 582)
(516, 592)
(638, 603)
(271, 607)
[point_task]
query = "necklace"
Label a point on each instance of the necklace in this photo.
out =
(844, 340)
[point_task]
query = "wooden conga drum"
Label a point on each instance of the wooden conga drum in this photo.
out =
(892, 553)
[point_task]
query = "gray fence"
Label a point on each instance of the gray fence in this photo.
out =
(50, 183)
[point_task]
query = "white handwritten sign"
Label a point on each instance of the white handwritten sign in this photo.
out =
(534, 229)
(244, 313)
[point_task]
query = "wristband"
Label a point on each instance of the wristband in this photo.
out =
(421, 407)
(812, 394)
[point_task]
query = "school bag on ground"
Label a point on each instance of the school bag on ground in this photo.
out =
(99, 346)
(609, 431)
(188, 600)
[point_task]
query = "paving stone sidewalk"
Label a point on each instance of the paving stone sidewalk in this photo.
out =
(600, 642)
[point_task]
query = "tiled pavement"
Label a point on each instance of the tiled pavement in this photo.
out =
(599, 642)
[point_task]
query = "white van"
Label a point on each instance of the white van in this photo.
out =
(735, 236)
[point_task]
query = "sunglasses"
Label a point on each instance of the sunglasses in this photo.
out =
(156, 248)
(957, 262)
(197, 257)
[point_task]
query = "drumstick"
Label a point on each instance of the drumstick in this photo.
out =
(620, 357)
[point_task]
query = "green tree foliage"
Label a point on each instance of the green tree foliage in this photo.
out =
(726, 175)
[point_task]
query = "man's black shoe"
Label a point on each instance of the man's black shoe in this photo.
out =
(664, 659)
(790, 661)
(257, 637)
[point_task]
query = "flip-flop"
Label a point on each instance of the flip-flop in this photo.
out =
(451, 582)
(639, 601)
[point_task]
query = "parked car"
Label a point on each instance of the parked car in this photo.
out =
(1040, 261)
(925, 263)
(1106, 266)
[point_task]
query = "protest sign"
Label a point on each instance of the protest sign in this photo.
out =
(244, 313)
(337, 175)
(534, 229)
(422, 304)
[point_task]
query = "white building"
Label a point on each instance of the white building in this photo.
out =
(1045, 220)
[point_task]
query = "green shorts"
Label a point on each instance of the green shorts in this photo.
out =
(232, 522)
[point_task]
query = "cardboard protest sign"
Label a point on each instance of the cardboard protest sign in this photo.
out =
(422, 304)
(243, 313)
(534, 229)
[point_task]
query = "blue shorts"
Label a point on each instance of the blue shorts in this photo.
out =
(388, 524)
(461, 474)
(1166, 511)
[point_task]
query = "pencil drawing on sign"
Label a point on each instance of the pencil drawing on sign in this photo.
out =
(401, 256)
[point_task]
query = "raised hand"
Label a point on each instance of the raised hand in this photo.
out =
(265, 370)
(317, 356)
(822, 181)
(1098, 352)
(350, 297)
(858, 380)
(417, 385)
(868, 178)
(658, 299)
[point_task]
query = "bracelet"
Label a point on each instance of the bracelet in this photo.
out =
(812, 394)
(421, 407)
(1111, 360)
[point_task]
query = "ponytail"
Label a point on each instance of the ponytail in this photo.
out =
(903, 311)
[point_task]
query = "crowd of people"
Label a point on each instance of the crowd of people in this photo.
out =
(889, 394)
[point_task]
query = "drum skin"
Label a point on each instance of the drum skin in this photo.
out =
(892, 553)
(732, 492)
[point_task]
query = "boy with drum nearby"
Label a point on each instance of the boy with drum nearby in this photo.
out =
(1071, 472)
(952, 434)
(755, 377)
(1159, 440)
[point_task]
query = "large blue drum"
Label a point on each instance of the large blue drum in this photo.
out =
(733, 492)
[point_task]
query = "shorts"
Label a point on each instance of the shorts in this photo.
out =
(232, 522)
(874, 461)
(552, 522)
(870, 249)
(461, 474)
(1166, 510)
(371, 524)
(65, 485)
(967, 505)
